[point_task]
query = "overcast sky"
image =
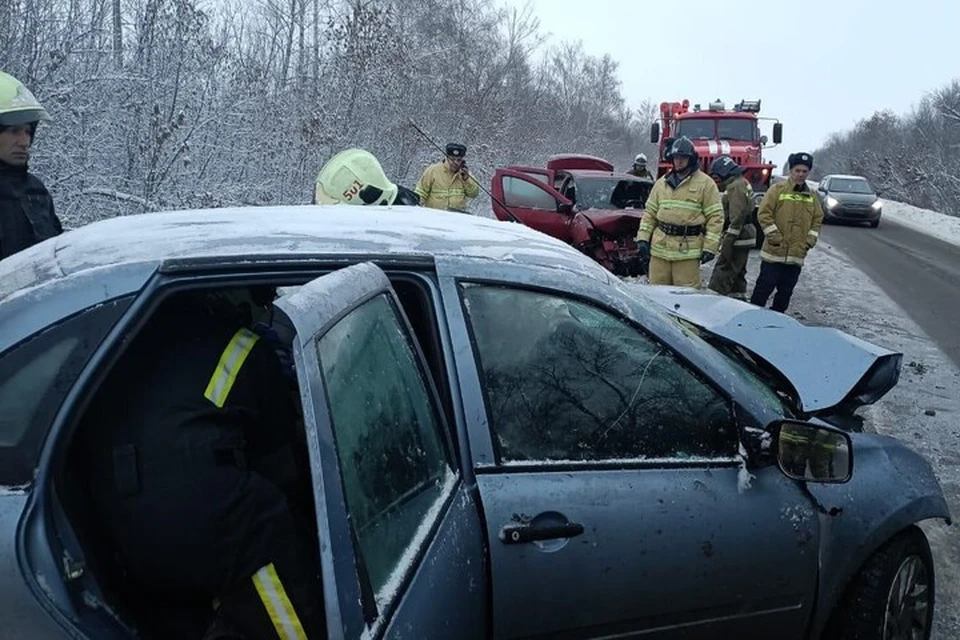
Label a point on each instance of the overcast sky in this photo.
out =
(818, 66)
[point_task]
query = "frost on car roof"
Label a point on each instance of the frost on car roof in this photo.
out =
(306, 230)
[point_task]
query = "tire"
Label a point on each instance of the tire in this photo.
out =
(862, 613)
(875, 223)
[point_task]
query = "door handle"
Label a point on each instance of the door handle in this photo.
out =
(523, 533)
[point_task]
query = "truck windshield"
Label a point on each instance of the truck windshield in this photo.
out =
(737, 129)
(718, 129)
(610, 193)
(697, 128)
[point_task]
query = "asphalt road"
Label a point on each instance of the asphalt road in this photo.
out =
(920, 273)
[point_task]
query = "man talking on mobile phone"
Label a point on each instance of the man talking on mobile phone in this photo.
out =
(448, 184)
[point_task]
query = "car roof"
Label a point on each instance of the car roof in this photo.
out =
(289, 231)
(593, 173)
(845, 177)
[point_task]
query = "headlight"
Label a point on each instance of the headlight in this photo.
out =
(831, 202)
(878, 204)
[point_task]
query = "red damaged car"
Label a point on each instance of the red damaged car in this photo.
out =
(581, 200)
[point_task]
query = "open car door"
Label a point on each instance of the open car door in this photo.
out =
(535, 203)
(546, 176)
(400, 538)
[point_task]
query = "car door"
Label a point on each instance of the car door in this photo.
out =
(614, 496)
(546, 176)
(402, 547)
(536, 204)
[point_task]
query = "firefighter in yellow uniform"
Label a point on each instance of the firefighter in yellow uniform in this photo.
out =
(447, 185)
(729, 276)
(683, 220)
(790, 216)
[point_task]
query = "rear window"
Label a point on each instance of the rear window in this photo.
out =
(36, 376)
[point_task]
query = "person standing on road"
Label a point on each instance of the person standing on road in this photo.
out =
(448, 184)
(729, 276)
(682, 222)
(639, 168)
(26, 208)
(790, 216)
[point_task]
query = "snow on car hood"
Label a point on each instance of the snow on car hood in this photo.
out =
(827, 367)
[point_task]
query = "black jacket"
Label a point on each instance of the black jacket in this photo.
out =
(26, 210)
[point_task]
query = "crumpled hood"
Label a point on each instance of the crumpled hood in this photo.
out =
(826, 366)
(614, 222)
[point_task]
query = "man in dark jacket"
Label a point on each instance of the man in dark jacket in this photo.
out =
(26, 208)
(197, 473)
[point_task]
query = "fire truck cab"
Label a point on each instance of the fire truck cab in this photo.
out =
(717, 131)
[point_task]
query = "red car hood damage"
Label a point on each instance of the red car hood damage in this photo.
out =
(614, 222)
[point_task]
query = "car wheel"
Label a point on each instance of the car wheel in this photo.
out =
(891, 598)
(875, 223)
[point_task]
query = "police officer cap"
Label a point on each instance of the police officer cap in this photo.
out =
(801, 157)
(456, 150)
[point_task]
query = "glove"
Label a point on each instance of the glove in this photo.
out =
(643, 249)
(707, 257)
(726, 249)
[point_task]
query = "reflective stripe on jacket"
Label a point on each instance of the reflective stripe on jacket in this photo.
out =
(791, 222)
(438, 188)
(695, 201)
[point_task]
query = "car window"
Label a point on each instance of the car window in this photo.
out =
(520, 193)
(36, 376)
(567, 381)
(850, 185)
(394, 462)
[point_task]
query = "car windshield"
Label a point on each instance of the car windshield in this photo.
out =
(771, 388)
(610, 193)
(850, 185)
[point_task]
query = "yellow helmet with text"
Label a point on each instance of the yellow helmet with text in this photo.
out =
(17, 104)
(354, 176)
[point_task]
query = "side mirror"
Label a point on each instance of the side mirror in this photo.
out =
(655, 132)
(814, 453)
(764, 139)
(566, 209)
(821, 188)
(777, 132)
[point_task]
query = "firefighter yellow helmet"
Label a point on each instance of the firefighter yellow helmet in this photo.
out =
(17, 104)
(354, 176)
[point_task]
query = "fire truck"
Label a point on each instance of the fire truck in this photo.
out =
(717, 131)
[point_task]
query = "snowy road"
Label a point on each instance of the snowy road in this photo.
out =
(919, 272)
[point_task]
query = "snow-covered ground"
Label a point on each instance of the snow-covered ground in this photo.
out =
(947, 228)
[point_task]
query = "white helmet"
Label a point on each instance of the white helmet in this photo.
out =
(354, 176)
(640, 159)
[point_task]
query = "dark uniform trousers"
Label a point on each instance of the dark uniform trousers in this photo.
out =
(775, 275)
(196, 513)
(729, 277)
